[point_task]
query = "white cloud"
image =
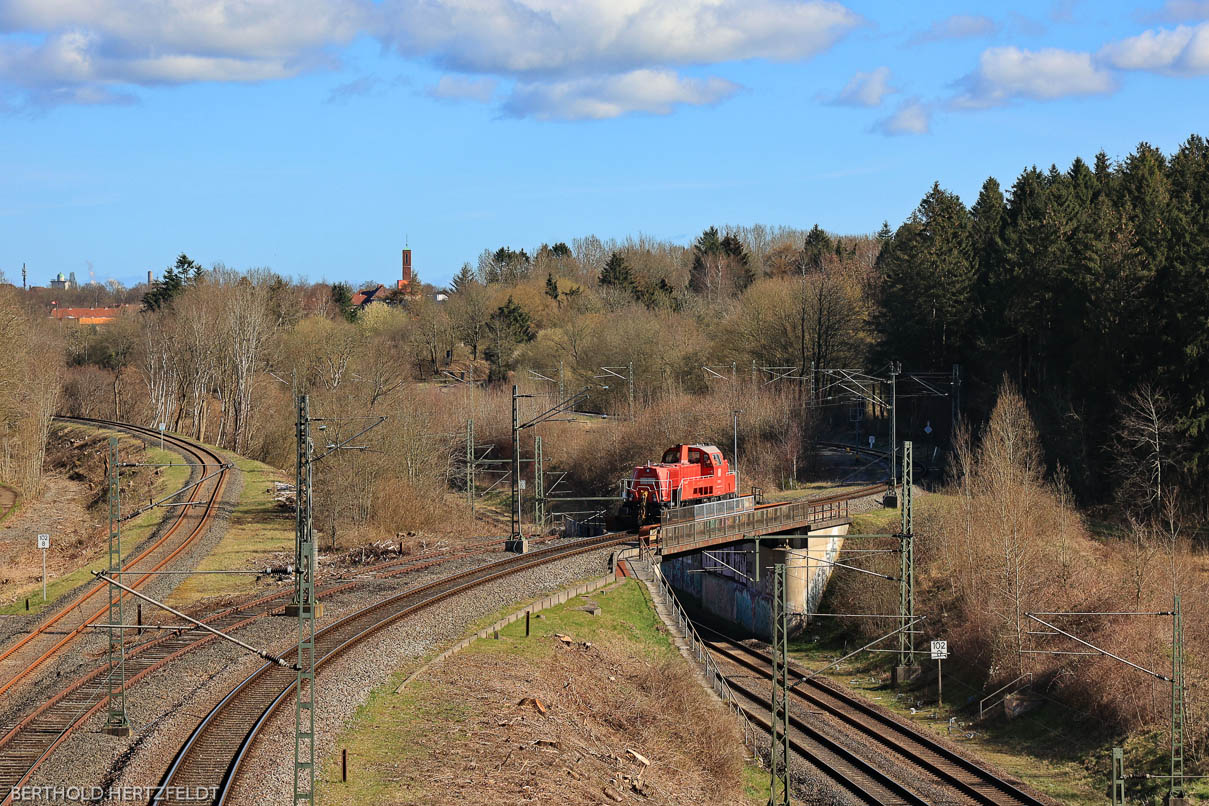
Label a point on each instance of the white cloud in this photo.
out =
(76, 51)
(555, 38)
(866, 89)
(1009, 73)
(52, 50)
(1179, 51)
(911, 117)
(958, 26)
(461, 88)
(654, 92)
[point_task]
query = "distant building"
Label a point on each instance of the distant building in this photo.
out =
(61, 283)
(362, 299)
(405, 280)
(89, 316)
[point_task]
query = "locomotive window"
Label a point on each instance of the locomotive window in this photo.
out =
(672, 455)
(695, 456)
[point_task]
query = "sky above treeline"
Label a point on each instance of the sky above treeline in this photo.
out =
(315, 137)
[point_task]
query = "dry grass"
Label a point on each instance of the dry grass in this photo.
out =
(460, 732)
(1004, 542)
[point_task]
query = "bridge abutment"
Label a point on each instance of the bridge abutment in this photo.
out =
(732, 584)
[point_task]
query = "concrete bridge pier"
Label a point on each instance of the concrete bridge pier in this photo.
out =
(733, 594)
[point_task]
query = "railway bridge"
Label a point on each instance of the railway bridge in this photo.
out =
(718, 562)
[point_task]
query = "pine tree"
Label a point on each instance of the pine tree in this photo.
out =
(814, 250)
(1184, 361)
(551, 287)
(463, 280)
(927, 278)
(616, 274)
(342, 298)
(508, 327)
(185, 272)
(885, 233)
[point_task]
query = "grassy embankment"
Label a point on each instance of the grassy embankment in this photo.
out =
(134, 531)
(394, 732)
(257, 529)
(1052, 749)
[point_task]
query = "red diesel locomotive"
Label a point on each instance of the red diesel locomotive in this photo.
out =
(687, 475)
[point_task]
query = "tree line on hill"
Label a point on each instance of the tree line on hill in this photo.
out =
(1080, 286)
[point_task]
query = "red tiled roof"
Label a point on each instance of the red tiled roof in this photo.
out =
(107, 314)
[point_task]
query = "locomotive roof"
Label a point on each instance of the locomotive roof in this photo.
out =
(701, 445)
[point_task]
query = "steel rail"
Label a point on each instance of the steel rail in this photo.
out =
(267, 686)
(26, 747)
(129, 566)
(71, 706)
(951, 769)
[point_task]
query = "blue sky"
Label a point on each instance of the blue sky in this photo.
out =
(314, 136)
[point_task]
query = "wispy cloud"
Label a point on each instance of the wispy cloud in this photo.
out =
(1005, 74)
(912, 117)
(655, 92)
(363, 87)
(865, 89)
(462, 88)
(1180, 11)
(1183, 50)
(958, 26)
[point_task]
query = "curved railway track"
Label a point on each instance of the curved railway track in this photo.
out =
(25, 744)
(213, 753)
(19, 660)
(931, 761)
(28, 743)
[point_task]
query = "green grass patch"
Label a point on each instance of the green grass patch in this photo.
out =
(257, 528)
(626, 612)
(756, 785)
(133, 533)
(376, 766)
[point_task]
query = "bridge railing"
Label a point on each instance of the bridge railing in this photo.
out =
(755, 522)
(697, 647)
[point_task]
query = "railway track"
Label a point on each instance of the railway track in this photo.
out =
(830, 760)
(24, 744)
(21, 659)
(943, 769)
(213, 753)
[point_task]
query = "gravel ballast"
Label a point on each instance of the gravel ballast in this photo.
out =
(167, 705)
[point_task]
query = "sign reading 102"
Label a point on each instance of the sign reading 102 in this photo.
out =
(940, 650)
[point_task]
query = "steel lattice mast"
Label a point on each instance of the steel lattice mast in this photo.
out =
(906, 585)
(778, 751)
(116, 722)
(304, 699)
